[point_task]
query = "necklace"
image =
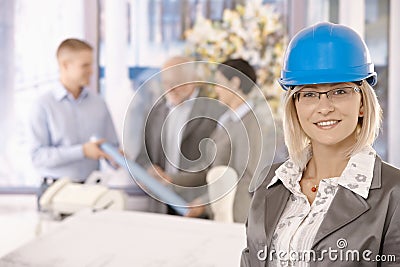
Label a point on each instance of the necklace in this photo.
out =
(314, 188)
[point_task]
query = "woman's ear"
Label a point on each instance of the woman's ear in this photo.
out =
(361, 111)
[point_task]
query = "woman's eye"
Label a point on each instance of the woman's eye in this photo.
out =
(340, 91)
(309, 94)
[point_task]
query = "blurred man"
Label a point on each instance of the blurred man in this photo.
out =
(69, 122)
(177, 122)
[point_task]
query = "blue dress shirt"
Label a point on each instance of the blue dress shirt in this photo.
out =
(60, 125)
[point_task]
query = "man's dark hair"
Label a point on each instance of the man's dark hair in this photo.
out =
(246, 83)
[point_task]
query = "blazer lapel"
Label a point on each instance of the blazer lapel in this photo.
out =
(275, 202)
(202, 107)
(160, 113)
(154, 132)
(346, 206)
(197, 112)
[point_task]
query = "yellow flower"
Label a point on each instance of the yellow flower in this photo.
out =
(240, 9)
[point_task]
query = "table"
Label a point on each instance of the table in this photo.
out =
(122, 238)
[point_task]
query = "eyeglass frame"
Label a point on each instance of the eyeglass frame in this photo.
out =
(296, 94)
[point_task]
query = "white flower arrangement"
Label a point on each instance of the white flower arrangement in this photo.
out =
(254, 32)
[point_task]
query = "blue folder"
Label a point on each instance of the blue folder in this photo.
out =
(162, 192)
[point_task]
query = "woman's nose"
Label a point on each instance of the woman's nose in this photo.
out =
(325, 104)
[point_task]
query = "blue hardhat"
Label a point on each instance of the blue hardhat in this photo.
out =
(326, 53)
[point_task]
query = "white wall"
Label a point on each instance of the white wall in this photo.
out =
(6, 66)
(118, 91)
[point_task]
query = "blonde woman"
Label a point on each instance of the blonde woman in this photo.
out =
(334, 202)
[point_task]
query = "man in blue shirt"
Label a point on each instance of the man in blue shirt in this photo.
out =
(69, 122)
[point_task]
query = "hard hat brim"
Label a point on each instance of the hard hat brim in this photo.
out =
(324, 79)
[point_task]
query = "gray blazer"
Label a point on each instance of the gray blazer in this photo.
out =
(199, 126)
(196, 130)
(233, 148)
(245, 145)
(366, 224)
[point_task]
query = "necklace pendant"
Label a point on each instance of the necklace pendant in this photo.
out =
(314, 188)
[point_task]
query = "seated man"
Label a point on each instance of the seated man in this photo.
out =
(66, 120)
(177, 123)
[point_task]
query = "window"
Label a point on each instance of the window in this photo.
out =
(377, 40)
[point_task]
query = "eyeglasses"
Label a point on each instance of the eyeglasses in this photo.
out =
(334, 95)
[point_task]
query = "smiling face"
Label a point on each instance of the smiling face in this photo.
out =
(330, 122)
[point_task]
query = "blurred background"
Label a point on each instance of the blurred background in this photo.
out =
(133, 38)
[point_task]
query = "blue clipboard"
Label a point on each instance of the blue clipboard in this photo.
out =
(163, 193)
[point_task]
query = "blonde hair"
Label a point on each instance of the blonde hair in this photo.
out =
(367, 130)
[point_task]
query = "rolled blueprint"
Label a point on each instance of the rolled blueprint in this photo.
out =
(161, 191)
